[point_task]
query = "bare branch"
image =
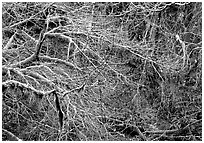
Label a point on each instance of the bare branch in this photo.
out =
(12, 136)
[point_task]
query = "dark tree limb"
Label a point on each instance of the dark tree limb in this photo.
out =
(35, 56)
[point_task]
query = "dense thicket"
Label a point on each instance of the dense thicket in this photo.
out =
(102, 71)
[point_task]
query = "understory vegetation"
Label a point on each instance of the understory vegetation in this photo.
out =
(103, 71)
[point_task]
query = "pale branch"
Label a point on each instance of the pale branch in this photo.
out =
(41, 77)
(5, 70)
(31, 78)
(60, 35)
(88, 59)
(8, 44)
(59, 61)
(25, 33)
(13, 83)
(29, 74)
(37, 76)
(76, 10)
(34, 76)
(184, 50)
(7, 51)
(39, 44)
(38, 67)
(141, 135)
(25, 62)
(78, 90)
(12, 136)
